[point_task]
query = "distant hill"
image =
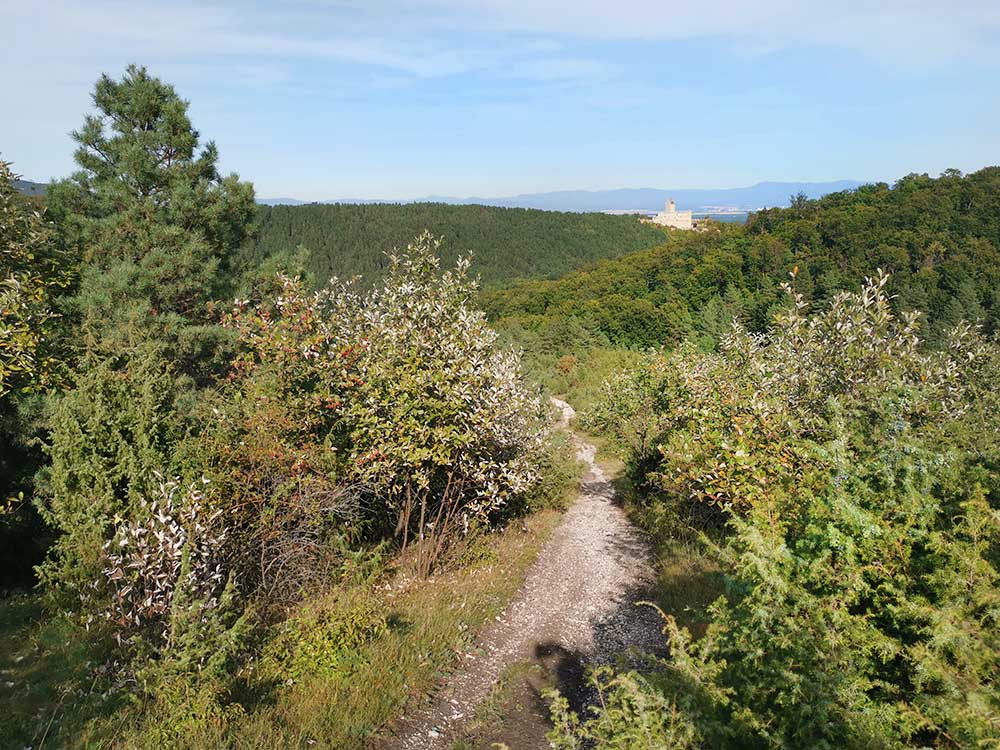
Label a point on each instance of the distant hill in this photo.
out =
(761, 195)
(939, 238)
(281, 202)
(507, 244)
(34, 189)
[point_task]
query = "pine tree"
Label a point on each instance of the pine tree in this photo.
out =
(153, 222)
(154, 226)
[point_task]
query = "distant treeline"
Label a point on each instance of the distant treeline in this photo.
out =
(507, 244)
(939, 238)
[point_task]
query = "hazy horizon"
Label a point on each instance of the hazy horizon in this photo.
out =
(722, 200)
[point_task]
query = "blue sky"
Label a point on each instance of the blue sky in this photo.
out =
(320, 99)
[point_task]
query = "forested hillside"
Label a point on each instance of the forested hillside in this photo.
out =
(690, 281)
(507, 244)
(938, 238)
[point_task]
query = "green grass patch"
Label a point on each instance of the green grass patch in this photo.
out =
(51, 680)
(429, 623)
(688, 578)
(341, 668)
(687, 582)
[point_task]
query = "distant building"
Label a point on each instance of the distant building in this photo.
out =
(671, 217)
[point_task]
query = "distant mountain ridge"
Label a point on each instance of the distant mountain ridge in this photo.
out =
(28, 187)
(286, 202)
(702, 200)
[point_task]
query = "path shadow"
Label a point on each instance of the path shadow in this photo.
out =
(567, 673)
(625, 638)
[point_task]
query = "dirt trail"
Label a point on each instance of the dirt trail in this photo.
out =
(578, 600)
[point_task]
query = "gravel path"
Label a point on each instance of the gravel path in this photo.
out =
(578, 599)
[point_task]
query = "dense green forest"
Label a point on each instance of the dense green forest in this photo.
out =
(938, 238)
(248, 505)
(507, 244)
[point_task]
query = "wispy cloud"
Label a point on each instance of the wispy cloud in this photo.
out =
(403, 40)
(905, 32)
(533, 39)
(566, 68)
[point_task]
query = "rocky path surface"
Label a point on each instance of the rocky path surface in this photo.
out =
(578, 600)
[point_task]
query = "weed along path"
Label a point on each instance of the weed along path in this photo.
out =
(576, 607)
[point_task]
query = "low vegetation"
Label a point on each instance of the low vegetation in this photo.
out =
(247, 503)
(843, 478)
(339, 667)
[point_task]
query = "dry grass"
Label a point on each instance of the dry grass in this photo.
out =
(47, 677)
(430, 623)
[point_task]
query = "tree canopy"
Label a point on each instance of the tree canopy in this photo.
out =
(939, 238)
(153, 223)
(506, 244)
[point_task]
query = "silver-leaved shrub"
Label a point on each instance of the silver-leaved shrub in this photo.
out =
(442, 422)
(387, 412)
(174, 543)
(848, 476)
(349, 418)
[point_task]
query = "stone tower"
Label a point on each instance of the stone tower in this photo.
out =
(671, 217)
